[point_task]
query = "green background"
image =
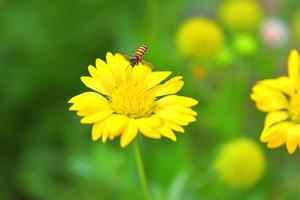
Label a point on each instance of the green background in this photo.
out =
(45, 153)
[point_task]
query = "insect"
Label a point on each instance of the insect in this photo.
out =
(138, 55)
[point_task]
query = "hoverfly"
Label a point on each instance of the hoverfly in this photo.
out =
(138, 56)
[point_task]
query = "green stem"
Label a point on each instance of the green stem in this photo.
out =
(140, 167)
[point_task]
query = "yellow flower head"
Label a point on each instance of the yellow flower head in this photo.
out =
(130, 99)
(280, 98)
(240, 15)
(199, 38)
(240, 163)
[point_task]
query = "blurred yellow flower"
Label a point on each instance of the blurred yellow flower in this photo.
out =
(280, 98)
(240, 15)
(131, 99)
(240, 163)
(199, 38)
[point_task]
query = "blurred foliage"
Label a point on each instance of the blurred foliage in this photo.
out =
(45, 153)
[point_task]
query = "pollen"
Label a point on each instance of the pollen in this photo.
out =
(132, 100)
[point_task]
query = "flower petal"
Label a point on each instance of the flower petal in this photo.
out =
(94, 84)
(178, 108)
(97, 130)
(117, 69)
(293, 138)
(156, 78)
(170, 87)
(268, 99)
(275, 117)
(282, 84)
(96, 117)
(89, 100)
(100, 63)
(174, 126)
(121, 60)
(140, 74)
(105, 75)
(175, 99)
(129, 133)
(273, 132)
(117, 125)
(175, 117)
(167, 132)
(277, 141)
(146, 126)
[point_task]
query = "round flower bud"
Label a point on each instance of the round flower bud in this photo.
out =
(243, 16)
(240, 163)
(199, 38)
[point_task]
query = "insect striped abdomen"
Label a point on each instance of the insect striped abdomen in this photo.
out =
(140, 52)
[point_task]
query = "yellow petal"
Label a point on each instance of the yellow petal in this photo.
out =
(175, 99)
(293, 67)
(93, 71)
(91, 97)
(275, 117)
(293, 138)
(117, 124)
(116, 68)
(100, 63)
(121, 60)
(268, 99)
(170, 87)
(106, 129)
(140, 74)
(277, 142)
(96, 117)
(94, 84)
(178, 108)
(174, 126)
(156, 78)
(106, 76)
(87, 111)
(273, 131)
(282, 84)
(167, 132)
(129, 133)
(175, 117)
(146, 127)
(97, 130)
(89, 103)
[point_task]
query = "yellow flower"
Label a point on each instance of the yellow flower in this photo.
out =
(240, 15)
(240, 163)
(280, 98)
(199, 38)
(131, 99)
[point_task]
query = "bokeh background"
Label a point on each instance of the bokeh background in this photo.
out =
(45, 46)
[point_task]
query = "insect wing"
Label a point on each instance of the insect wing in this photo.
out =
(149, 64)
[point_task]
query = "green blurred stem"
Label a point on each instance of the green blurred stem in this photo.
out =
(140, 167)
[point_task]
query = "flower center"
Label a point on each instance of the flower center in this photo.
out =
(295, 108)
(133, 100)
